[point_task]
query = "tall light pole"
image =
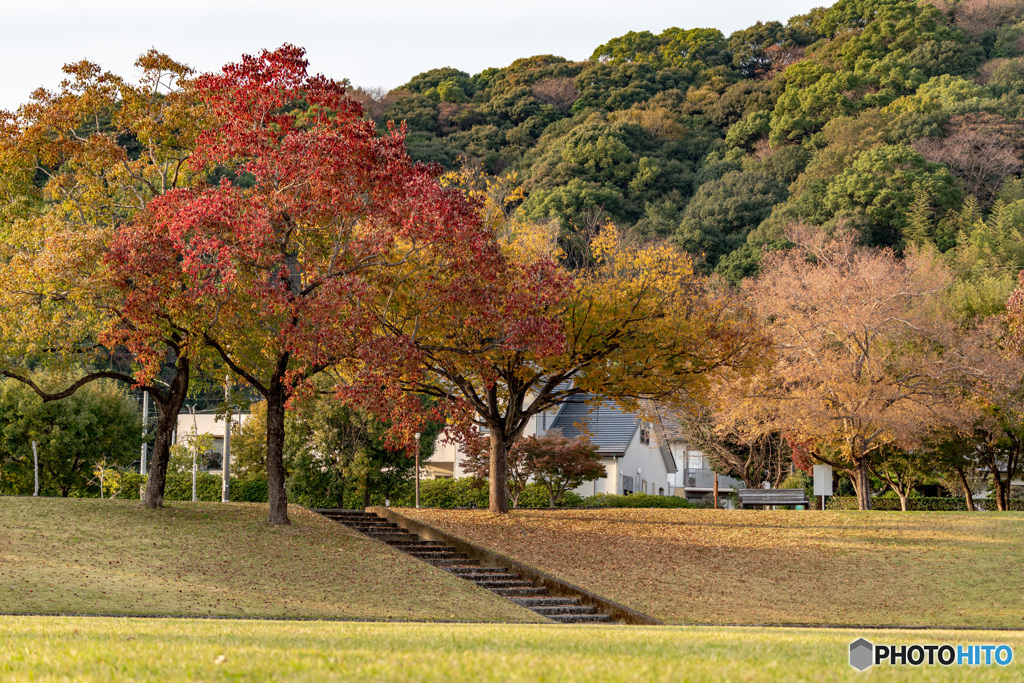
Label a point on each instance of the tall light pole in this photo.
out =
(417, 469)
(145, 423)
(225, 470)
(35, 458)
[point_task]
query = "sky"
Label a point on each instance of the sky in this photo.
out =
(372, 44)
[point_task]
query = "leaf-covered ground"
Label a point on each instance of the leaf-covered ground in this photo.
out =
(88, 556)
(96, 649)
(773, 567)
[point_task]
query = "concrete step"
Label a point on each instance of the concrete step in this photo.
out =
(518, 592)
(563, 610)
(402, 537)
(436, 554)
(468, 571)
(501, 583)
(485, 576)
(544, 601)
(581, 618)
(415, 545)
(450, 561)
(350, 515)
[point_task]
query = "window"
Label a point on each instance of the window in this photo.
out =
(627, 485)
(695, 460)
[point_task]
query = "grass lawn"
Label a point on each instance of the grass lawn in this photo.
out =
(91, 556)
(86, 648)
(948, 569)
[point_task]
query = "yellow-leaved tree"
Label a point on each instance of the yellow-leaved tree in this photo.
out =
(77, 164)
(635, 322)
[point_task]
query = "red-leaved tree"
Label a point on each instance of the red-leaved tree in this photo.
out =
(280, 267)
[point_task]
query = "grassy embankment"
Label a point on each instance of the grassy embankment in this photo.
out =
(89, 556)
(927, 569)
(47, 648)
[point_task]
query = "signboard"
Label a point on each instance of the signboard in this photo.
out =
(823, 480)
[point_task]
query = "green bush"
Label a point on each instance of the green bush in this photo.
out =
(944, 504)
(471, 492)
(635, 500)
(130, 484)
(449, 493)
(536, 496)
(179, 487)
(249, 490)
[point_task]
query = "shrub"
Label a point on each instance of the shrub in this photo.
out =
(179, 487)
(249, 490)
(536, 496)
(469, 492)
(635, 500)
(944, 504)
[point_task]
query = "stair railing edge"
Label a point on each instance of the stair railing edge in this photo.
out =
(489, 558)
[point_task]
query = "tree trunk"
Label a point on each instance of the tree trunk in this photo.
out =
(499, 472)
(366, 491)
(862, 477)
(903, 500)
(167, 408)
(278, 511)
(968, 494)
(1000, 488)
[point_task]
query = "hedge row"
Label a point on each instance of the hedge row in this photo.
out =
(473, 493)
(635, 500)
(945, 504)
(208, 488)
(470, 492)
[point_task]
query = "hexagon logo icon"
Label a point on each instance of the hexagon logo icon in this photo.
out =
(862, 654)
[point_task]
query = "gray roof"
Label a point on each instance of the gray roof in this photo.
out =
(608, 428)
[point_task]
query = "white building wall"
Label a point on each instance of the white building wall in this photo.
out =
(646, 458)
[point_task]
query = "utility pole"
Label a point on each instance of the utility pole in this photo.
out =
(145, 424)
(716, 490)
(225, 489)
(417, 469)
(35, 457)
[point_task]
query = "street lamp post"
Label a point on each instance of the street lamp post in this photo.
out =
(417, 469)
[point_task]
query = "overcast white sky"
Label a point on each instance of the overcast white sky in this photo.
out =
(381, 43)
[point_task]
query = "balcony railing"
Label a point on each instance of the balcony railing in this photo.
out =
(705, 479)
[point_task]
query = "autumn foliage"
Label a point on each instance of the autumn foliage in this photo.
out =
(558, 463)
(279, 266)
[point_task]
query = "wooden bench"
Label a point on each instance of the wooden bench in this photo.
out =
(765, 497)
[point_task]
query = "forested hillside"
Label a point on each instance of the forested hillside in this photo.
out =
(900, 119)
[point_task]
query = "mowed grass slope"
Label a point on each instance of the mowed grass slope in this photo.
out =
(90, 556)
(96, 649)
(773, 567)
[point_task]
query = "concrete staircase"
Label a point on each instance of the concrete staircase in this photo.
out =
(495, 579)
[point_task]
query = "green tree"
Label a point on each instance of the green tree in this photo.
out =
(98, 424)
(882, 184)
(724, 211)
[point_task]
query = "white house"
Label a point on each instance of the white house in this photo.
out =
(207, 423)
(632, 455)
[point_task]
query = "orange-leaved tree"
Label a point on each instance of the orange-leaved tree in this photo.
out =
(865, 358)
